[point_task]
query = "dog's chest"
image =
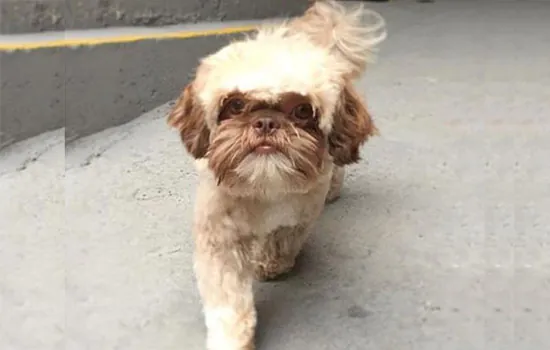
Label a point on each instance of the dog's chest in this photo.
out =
(291, 211)
(270, 216)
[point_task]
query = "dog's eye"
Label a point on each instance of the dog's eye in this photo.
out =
(303, 111)
(236, 106)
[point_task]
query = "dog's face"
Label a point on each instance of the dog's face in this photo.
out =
(271, 112)
(273, 140)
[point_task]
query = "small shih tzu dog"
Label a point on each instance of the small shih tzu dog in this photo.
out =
(271, 120)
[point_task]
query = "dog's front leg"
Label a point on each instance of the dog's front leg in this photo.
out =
(336, 183)
(225, 285)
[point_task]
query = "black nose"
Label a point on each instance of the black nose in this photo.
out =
(266, 125)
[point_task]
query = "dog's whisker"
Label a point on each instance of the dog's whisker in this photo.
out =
(295, 131)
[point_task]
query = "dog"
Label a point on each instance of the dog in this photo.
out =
(272, 120)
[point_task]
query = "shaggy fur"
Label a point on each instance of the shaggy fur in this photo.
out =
(271, 121)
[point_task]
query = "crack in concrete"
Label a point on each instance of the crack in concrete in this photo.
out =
(102, 142)
(95, 155)
(25, 164)
(7, 142)
(34, 157)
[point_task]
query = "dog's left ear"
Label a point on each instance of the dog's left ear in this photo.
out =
(352, 126)
(189, 118)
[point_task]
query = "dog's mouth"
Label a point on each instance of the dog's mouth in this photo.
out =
(265, 148)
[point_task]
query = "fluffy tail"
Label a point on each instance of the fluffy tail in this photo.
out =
(351, 33)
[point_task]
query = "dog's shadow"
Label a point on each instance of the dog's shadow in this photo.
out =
(347, 233)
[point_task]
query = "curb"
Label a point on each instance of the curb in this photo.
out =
(65, 40)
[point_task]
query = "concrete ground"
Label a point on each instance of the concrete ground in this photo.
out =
(440, 241)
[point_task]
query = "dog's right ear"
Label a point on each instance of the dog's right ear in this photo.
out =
(189, 118)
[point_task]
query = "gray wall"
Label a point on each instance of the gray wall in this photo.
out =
(88, 89)
(24, 16)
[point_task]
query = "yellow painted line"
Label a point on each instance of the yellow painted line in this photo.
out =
(32, 45)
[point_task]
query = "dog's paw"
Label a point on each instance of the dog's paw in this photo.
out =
(228, 346)
(249, 346)
(332, 197)
(273, 271)
(230, 328)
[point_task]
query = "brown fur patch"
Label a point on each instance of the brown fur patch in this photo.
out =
(352, 127)
(188, 117)
(236, 138)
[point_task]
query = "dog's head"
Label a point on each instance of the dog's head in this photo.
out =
(272, 110)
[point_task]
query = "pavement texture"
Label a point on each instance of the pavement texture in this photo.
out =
(441, 239)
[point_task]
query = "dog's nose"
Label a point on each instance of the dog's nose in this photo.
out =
(266, 125)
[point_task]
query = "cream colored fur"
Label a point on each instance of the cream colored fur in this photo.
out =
(350, 34)
(260, 67)
(321, 49)
(255, 231)
(239, 239)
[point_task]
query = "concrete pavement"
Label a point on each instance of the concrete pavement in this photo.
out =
(440, 241)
